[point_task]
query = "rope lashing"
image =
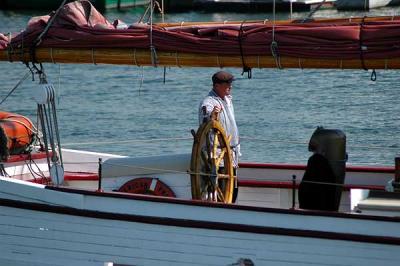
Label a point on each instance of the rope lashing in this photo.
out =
(20, 50)
(373, 75)
(246, 69)
(153, 52)
(364, 48)
(10, 48)
(218, 62)
(134, 58)
(154, 59)
(93, 58)
(51, 56)
(274, 44)
(275, 54)
(177, 59)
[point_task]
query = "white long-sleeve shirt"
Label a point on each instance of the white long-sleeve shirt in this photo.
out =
(226, 118)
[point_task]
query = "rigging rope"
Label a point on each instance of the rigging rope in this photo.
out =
(154, 60)
(144, 14)
(3, 171)
(39, 172)
(364, 48)
(246, 69)
(38, 40)
(162, 8)
(47, 115)
(395, 147)
(15, 87)
(49, 23)
(216, 175)
(273, 21)
(127, 141)
(313, 11)
(274, 44)
(46, 146)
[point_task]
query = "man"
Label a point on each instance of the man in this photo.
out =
(219, 102)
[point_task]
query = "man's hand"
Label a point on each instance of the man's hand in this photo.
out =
(215, 112)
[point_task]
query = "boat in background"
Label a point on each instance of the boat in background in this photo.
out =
(364, 4)
(101, 5)
(259, 5)
(73, 207)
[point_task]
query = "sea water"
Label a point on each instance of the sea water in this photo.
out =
(136, 111)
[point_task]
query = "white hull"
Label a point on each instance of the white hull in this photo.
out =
(361, 4)
(150, 231)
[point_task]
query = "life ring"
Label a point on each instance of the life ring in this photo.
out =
(18, 130)
(147, 186)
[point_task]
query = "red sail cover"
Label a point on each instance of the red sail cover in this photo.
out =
(80, 25)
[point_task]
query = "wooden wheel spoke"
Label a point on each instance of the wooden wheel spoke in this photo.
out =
(220, 194)
(208, 144)
(215, 145)
(205, 158)
(204, 189)
(220, 157)
(217, 138)
(224, 176)
(206, 179)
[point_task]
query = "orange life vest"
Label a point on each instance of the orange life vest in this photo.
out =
(18, 130)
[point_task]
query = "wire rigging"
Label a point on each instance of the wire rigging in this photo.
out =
(15, 87)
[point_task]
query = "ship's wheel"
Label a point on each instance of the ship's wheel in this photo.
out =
(212, 174)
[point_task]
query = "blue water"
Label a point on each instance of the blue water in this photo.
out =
(129, 110)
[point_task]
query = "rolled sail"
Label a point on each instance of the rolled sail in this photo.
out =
(80, 34)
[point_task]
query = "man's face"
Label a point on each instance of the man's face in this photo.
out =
(223, 89)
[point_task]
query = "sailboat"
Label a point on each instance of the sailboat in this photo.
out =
(363, 4)
(64, 207)
(49, 4)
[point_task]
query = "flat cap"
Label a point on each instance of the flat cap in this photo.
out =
(222, 77)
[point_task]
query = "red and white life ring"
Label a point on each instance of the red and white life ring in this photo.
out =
(148, 186)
